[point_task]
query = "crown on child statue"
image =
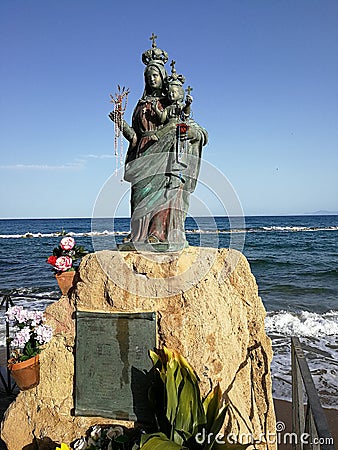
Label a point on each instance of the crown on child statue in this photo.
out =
(154, 53)
(175, 78)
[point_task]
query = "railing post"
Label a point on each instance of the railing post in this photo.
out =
(316, 422)
(7, 301)
(310, 429)
(298, 421)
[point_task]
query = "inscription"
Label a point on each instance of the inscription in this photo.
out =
(112, 367)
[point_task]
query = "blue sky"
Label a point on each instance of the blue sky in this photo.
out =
(264, 76)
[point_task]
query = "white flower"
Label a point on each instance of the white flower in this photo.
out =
(80, 444)
(43, 333)
(36, 317)
(18, 314)
(67, 243)
(22, 337)
(96, 432)
(63, 263)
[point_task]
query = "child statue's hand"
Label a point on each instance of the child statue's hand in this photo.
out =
(188, 100)
(153, 103)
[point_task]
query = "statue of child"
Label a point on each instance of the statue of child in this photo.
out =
(177, 110)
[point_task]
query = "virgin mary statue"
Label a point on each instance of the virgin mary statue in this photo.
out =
(162, 162)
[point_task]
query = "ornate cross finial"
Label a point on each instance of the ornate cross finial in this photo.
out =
(172, 65)
(188, 90)
(153, 38)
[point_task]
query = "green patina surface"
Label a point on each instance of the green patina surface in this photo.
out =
(163, 159)
(112, 366)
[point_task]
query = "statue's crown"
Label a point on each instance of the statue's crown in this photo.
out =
(175, 78)
(154, 53)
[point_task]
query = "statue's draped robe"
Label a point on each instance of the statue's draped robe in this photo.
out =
(161, 184)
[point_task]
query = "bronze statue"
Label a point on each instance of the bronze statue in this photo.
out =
(163, 159)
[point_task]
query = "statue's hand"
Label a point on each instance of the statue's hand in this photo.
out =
(115, 116)
(128, 131)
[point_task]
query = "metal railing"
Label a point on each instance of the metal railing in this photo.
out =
(6, 303)
(309, 424)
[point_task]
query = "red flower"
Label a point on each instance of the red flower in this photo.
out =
(52, 260)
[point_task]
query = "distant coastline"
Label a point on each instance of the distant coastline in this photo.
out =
(323, 213)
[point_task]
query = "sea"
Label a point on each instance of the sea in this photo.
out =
(293, 258)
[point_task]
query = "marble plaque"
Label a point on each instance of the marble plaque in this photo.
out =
(112, 365)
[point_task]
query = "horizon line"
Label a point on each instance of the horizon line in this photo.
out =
(318, 213)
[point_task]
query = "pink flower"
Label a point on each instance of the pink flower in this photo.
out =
(22, 337)
(43, 334)
(36, 317)
(63, 263)
(67, 243)
(17, 314)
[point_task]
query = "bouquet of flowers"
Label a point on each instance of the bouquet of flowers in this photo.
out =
(66, 255)
(30, 335)
(102, 437)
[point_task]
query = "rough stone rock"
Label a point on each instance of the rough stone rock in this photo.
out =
(208, 309)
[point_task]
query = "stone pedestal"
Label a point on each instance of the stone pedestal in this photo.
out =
(208, 309)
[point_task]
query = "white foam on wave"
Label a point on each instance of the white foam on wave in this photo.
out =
(299, 228)
(321, 356)
(318, 334)
(28, 234)
(306, 324)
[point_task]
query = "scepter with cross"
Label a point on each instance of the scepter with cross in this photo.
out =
(120, 104)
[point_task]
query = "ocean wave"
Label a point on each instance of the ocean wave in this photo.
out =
(284, 229)
(322, 357)
(322, 273)
(273, 261)
(318, 334)
(302, 324)
(298, 228)
(294, 290)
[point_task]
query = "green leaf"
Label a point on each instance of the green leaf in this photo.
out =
(216, 427)
(154, 357)
(172, 390)
(211, 406)
(190, 413)
(184, 363)
(158, 441)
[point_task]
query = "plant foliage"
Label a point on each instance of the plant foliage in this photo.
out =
(181, 414)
